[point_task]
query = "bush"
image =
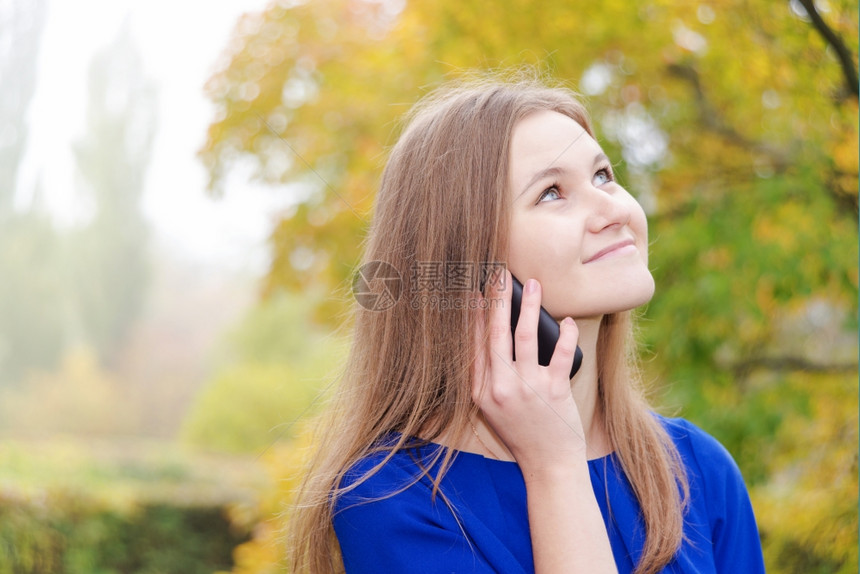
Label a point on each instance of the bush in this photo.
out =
(62, 533)
(80, 398)
(247, 408)
(273, 366)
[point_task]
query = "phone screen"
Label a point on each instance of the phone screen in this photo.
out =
(547, 334)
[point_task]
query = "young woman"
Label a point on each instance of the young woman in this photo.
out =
(443, 450)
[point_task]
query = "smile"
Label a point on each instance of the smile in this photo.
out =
(617, 249)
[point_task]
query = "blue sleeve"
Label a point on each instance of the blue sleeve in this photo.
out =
(734, 533)
(397, 535)
(408, 532)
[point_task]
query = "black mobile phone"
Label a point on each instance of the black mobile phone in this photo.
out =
(547, 333)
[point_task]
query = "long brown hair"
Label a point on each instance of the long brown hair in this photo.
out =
(444, 198)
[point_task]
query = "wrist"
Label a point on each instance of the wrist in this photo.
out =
(564, 473)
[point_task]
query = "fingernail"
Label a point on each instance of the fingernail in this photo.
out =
(567, 321)
(531, 286)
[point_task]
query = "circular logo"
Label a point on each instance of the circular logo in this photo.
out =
(377, 286)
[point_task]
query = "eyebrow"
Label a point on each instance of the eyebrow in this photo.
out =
(556, 171)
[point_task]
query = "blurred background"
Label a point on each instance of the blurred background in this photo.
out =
(183, 190)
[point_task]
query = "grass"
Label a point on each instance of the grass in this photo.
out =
(127, 471)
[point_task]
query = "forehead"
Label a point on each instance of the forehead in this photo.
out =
(545, 139)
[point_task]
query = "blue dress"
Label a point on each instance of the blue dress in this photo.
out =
(410, 532)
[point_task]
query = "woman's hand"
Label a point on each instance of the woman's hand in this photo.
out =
(530, 407)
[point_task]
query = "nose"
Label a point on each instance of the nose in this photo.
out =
(608, 209)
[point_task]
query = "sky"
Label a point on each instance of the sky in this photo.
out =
(180, 42)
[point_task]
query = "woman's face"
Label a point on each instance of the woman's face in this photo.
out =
(573, 227)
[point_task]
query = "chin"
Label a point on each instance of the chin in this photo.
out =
(635, 294)
(623, 294)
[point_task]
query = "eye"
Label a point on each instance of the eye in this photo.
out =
(603, 176)
(551, 193)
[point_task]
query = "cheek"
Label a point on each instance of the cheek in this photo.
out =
(639, 226)
(540, 251)
(523, 249)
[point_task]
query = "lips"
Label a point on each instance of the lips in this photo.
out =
(621, 245)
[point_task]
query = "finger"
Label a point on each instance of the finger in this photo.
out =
(525, 335)
(565, 349)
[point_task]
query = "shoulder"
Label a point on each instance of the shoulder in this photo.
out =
(383, 495)
(697, 447)
(715, 480)
(382, 474)
(718, 497)
(713, 475)
(389, 496)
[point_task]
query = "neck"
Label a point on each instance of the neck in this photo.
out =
(585, 390)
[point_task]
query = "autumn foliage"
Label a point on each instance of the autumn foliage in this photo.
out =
(734, 122)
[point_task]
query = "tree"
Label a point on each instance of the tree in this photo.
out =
(21, 26)
(28, 307)
(738, 125)
(61, 289)
(109, 264)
